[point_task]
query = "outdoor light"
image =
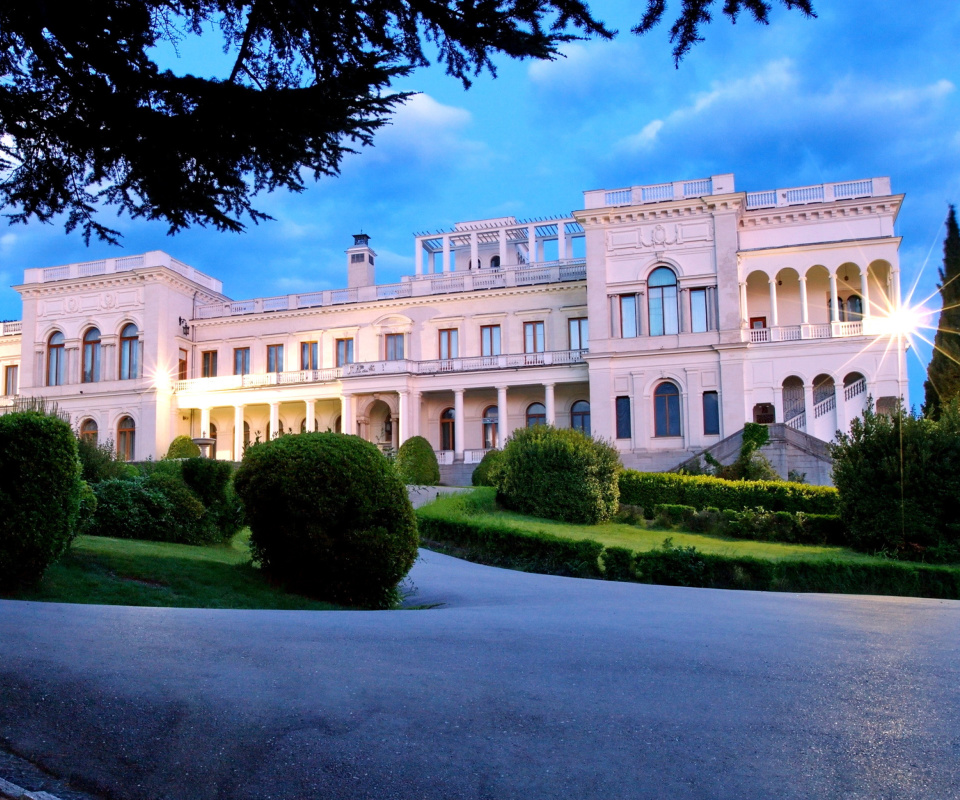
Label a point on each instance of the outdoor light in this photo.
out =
(184, 326)
(388, 427)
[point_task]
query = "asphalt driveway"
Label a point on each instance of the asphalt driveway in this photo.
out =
(519, 686)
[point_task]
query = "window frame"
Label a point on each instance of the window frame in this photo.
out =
(629, 300)
(448, 339)
(90, 356)
(344, 349)
(531, 419)
(310, 355)
(129, 367)
(14, 370)
(274, 358)
(623, 417)
(490, 341)
(699, 296)
(534, 337)
(448, 429)
(582, 333)
(711, 413)
(208, 363)
(490, 427)
(667, 413)
(241, 360)
(88, 433)
(126, 439)
(56, 359)
(667, 300)
(580, 418)
(183, 363)
(390, 342)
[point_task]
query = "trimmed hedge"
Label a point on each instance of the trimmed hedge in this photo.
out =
(416, 462)
(183, 447)
(484, 474)
(648, 489)
(40, 495)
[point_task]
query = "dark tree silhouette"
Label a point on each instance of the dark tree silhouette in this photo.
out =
(943, 372)
(88, 119)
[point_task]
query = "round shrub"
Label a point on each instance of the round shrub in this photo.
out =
(211, 481)
(417, 463)
(559, 473)
(183, 447)
(485, 472)
(40, 491)
(329, 517)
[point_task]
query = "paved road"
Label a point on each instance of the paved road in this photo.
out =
(521, 686)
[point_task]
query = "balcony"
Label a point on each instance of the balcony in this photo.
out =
(658, 192)
(367, 368)
(11, 328)
(438, 283)
(793, 333)
(112, 266)
(820, 193)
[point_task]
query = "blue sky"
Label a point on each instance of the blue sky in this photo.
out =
(856, 93)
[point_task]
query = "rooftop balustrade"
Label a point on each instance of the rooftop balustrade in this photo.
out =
(111, 266)
(11, 328)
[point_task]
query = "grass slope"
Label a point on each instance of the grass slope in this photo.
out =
(108, 571)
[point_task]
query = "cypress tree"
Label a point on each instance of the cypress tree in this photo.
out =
(943, 372)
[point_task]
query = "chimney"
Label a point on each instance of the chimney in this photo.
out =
(360, 257)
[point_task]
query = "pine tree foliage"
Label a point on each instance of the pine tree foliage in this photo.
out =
(89, 119)
(943, 372)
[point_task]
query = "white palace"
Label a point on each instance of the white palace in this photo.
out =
(659, 317)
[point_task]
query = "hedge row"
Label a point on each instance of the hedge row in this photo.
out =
(647, 489)
(757, 524)
(500, 545)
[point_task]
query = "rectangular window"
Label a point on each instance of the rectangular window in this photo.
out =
(449, 343)
(274, 358)
(309, 355)
(623, 417)
(208, 364)
(578, 333)
(344, 352)
(533, 337)
(698, 310)
(628, 316)
(393, 346)
(182, 365)
(241, 361)
(490, 340)
(711, 413)
(10, 375)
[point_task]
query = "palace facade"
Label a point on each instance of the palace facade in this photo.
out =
(658, 317)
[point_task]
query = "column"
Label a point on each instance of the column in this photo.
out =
(237, 433)
(274, 420)
(503, 248)
(744, 314)
(446, 253)
(204, 422)
(310, 425)
(474, 251)
(804, 308)
(842, 422)
(418, 257)
(549, 402)
(561, 240)
(895, 280)
(865, 291)
(808, 406)
(834, 304)
(403, 415)
(346, 414)
(682, 298)
(458, 433)
(415, 400)
(774, 319)
(778, 403)
(531, 243)
(503, 428)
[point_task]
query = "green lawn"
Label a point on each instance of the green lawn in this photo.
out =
(480, 505)
(97, 569)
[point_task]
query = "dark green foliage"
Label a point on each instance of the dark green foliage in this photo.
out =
(416, 463)
(667, 515)
(88, 508)
(485, 472)
(40, 495)
(99, 462)
(559, 473)
(329, 516)
(629, 515)
(943, 372)
(183, 447)
(674, 566)
(705, 520)
(212, 482)
(619, 564)
(901, 501)
(749, 465)
(648, 489)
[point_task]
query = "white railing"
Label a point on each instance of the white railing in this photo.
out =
(109, 266)
(698, 188)
(850, 328)
(10, 328)
(820, 332)
(618, 197)
(341, 296)
(656, 193)
(821, 193)
(391, 290)
(856, 388)
(789, 333)
(444, 456)
(759, 335)
(651, 193)
(309, 299)
(473, 456)
(824, 406)
(91, 268)
(795, 333)
(798, 422)
(276, 303)
(447, 285)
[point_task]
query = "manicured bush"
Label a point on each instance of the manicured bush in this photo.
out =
(329, 516)
(40, 494)
(416, 463)
(619, 564)
(666, 514)
(212, 482)
(559, 473)
(183, 447)
(899, 482)
(484, 474)
(648, 489)
(99, 461)
(675, 566)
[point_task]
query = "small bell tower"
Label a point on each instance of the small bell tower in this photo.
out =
(360, 271)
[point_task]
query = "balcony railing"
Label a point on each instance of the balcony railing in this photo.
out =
(820, 193)
(108, 266)
(420, 286)
(10, 328)
(793, 333)
(364, 368)
(474, 456)
(652, 193)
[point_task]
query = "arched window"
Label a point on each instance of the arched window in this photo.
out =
(447, 440)
(666, 410)
(303, 425)
(281, 428)
(854, 308)
(126, 436)
(129, 352)
(491, 421)
(246, 434)
(91, 356)
(56, 362)
(536, 414)
(213, 435)
(580, 416)
(89, 431)
(495, 262)
(662, 299)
